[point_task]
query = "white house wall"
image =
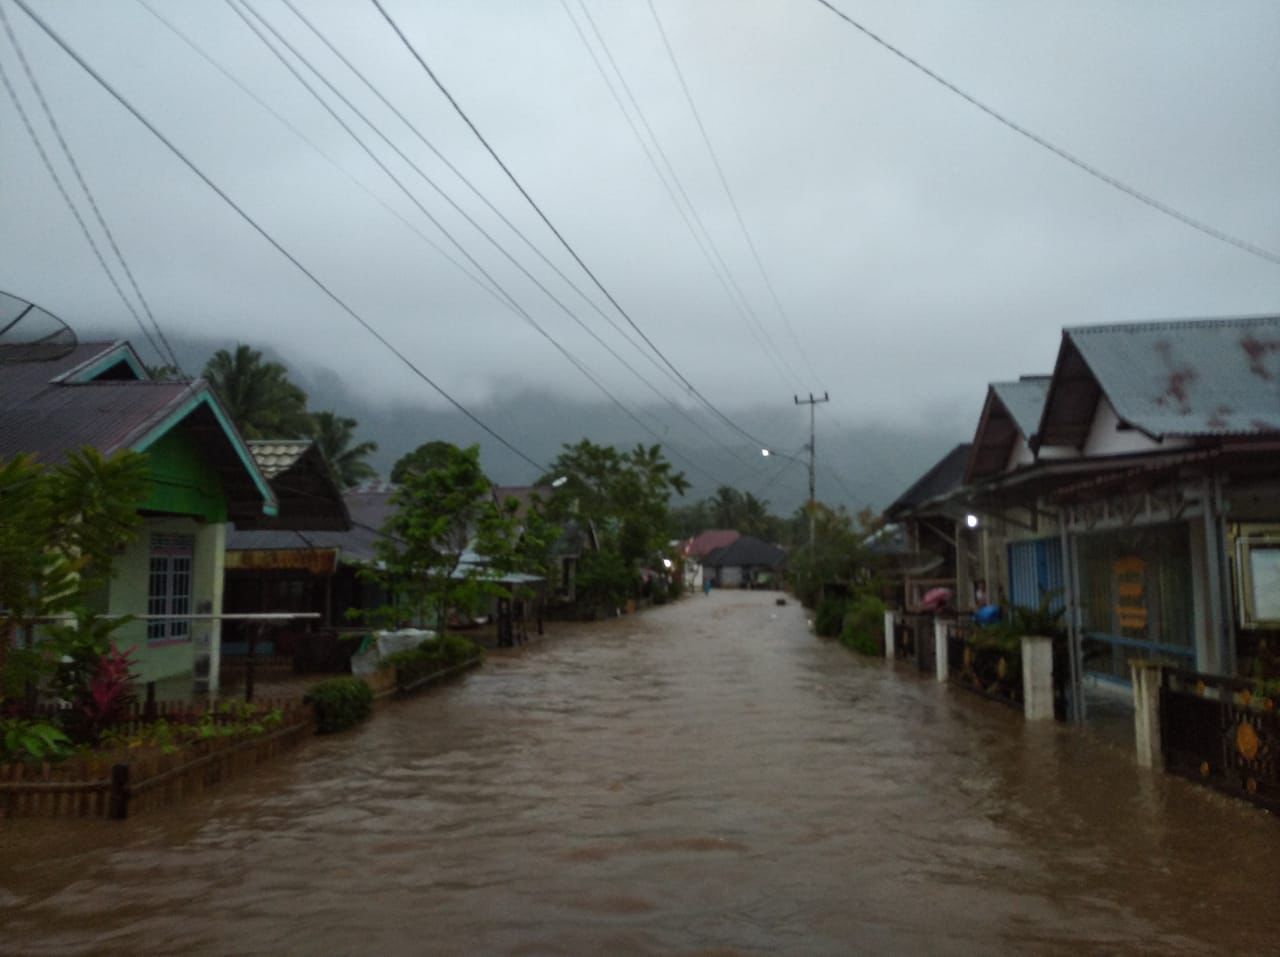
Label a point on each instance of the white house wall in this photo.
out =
(1107, 437)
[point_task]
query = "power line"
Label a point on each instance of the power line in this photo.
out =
(315, 280)
(662, 396)
(724, 181)
(559, 236)
(510, 300)
(724, 273)
(1058, 151)
(168, 355)
(413, 128)
(284, 121)
(70, 203)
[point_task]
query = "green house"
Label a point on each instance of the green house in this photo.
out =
(202, 478)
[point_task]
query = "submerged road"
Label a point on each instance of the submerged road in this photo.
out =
(704, 778)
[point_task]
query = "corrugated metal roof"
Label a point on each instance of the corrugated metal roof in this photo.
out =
(707, 542)
(106, 415)
(945, 476)
(1192, 378)
(277, 455)
(1024, 401)
(746, 551)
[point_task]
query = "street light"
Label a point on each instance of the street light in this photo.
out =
(971, 520)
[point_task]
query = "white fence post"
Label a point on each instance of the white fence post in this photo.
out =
(1037, 678)
(1147, 678)
(940, 649)
(889, 619)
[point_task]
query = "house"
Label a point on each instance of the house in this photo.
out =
(746, 562)
(940, 548)
(203, 476)
(1146, 491)
(698, 548)
(315, 570)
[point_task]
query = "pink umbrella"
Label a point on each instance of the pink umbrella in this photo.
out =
(935, 599)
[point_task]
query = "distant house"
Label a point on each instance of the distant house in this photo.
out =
(203, 476)
(938, 549)
(746, 562)
(698, 548)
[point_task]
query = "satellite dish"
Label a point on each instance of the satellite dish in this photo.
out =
(31, 334)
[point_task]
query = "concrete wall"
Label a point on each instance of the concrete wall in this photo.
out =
(127, 595)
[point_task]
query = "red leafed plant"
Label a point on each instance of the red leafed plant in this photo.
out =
(110, 690)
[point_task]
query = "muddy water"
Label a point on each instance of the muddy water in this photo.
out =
(706, 778)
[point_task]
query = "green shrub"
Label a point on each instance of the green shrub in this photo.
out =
(433, 655)
(863, 626)
(340, 703)
(829, 617)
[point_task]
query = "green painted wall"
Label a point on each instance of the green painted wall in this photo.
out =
(184, 482)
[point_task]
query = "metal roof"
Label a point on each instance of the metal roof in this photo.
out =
(946, 475)
(1194, 378)
(277, 455)
(702, 545)
(746, 551)
(1024, 401)
(1012, 409)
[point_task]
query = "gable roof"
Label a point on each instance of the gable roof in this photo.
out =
(91, 396)
(1195, 378)
(308, 494)
(946, 475)
(747, 551)
(702, 545)
(1012, 410)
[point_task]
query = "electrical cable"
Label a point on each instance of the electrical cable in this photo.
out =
(283, 120)
(75, 211)
(1095, 172)
(723, 273)
(559, 236)
(724, 181)
(315, 280)
(167, 355)
(662, 396)
(523, 313)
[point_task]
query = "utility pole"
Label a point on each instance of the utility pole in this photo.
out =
(812, 403)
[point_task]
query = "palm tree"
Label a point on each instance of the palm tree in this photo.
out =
(333, 434)
(258, 395)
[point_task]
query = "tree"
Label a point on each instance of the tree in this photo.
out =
(258, 395)
(429, 455)
(838, 555)
(439, 512)
(59, 531)
(624, 495)
(333, 436)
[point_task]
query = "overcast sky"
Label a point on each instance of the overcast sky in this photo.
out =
(918, 248)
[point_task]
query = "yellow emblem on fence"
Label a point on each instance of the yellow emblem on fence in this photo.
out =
(1246, 740)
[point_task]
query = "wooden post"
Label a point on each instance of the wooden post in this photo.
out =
(119, 807)
(149, 708)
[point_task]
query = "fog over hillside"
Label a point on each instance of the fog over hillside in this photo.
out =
(859, 464)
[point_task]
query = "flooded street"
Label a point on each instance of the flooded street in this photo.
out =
(705, 778)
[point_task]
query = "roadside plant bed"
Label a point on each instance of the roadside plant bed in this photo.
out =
(146, 767)
(433, 661)
(340, 703)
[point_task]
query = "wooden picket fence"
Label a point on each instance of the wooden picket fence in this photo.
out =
(95, 787)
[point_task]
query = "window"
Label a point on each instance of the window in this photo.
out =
(169, 589)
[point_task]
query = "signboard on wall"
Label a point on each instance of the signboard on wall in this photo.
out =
(316, 561)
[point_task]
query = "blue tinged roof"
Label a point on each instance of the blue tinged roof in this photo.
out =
(1188, 378)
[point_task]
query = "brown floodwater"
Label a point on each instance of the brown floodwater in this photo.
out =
(705, 778)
